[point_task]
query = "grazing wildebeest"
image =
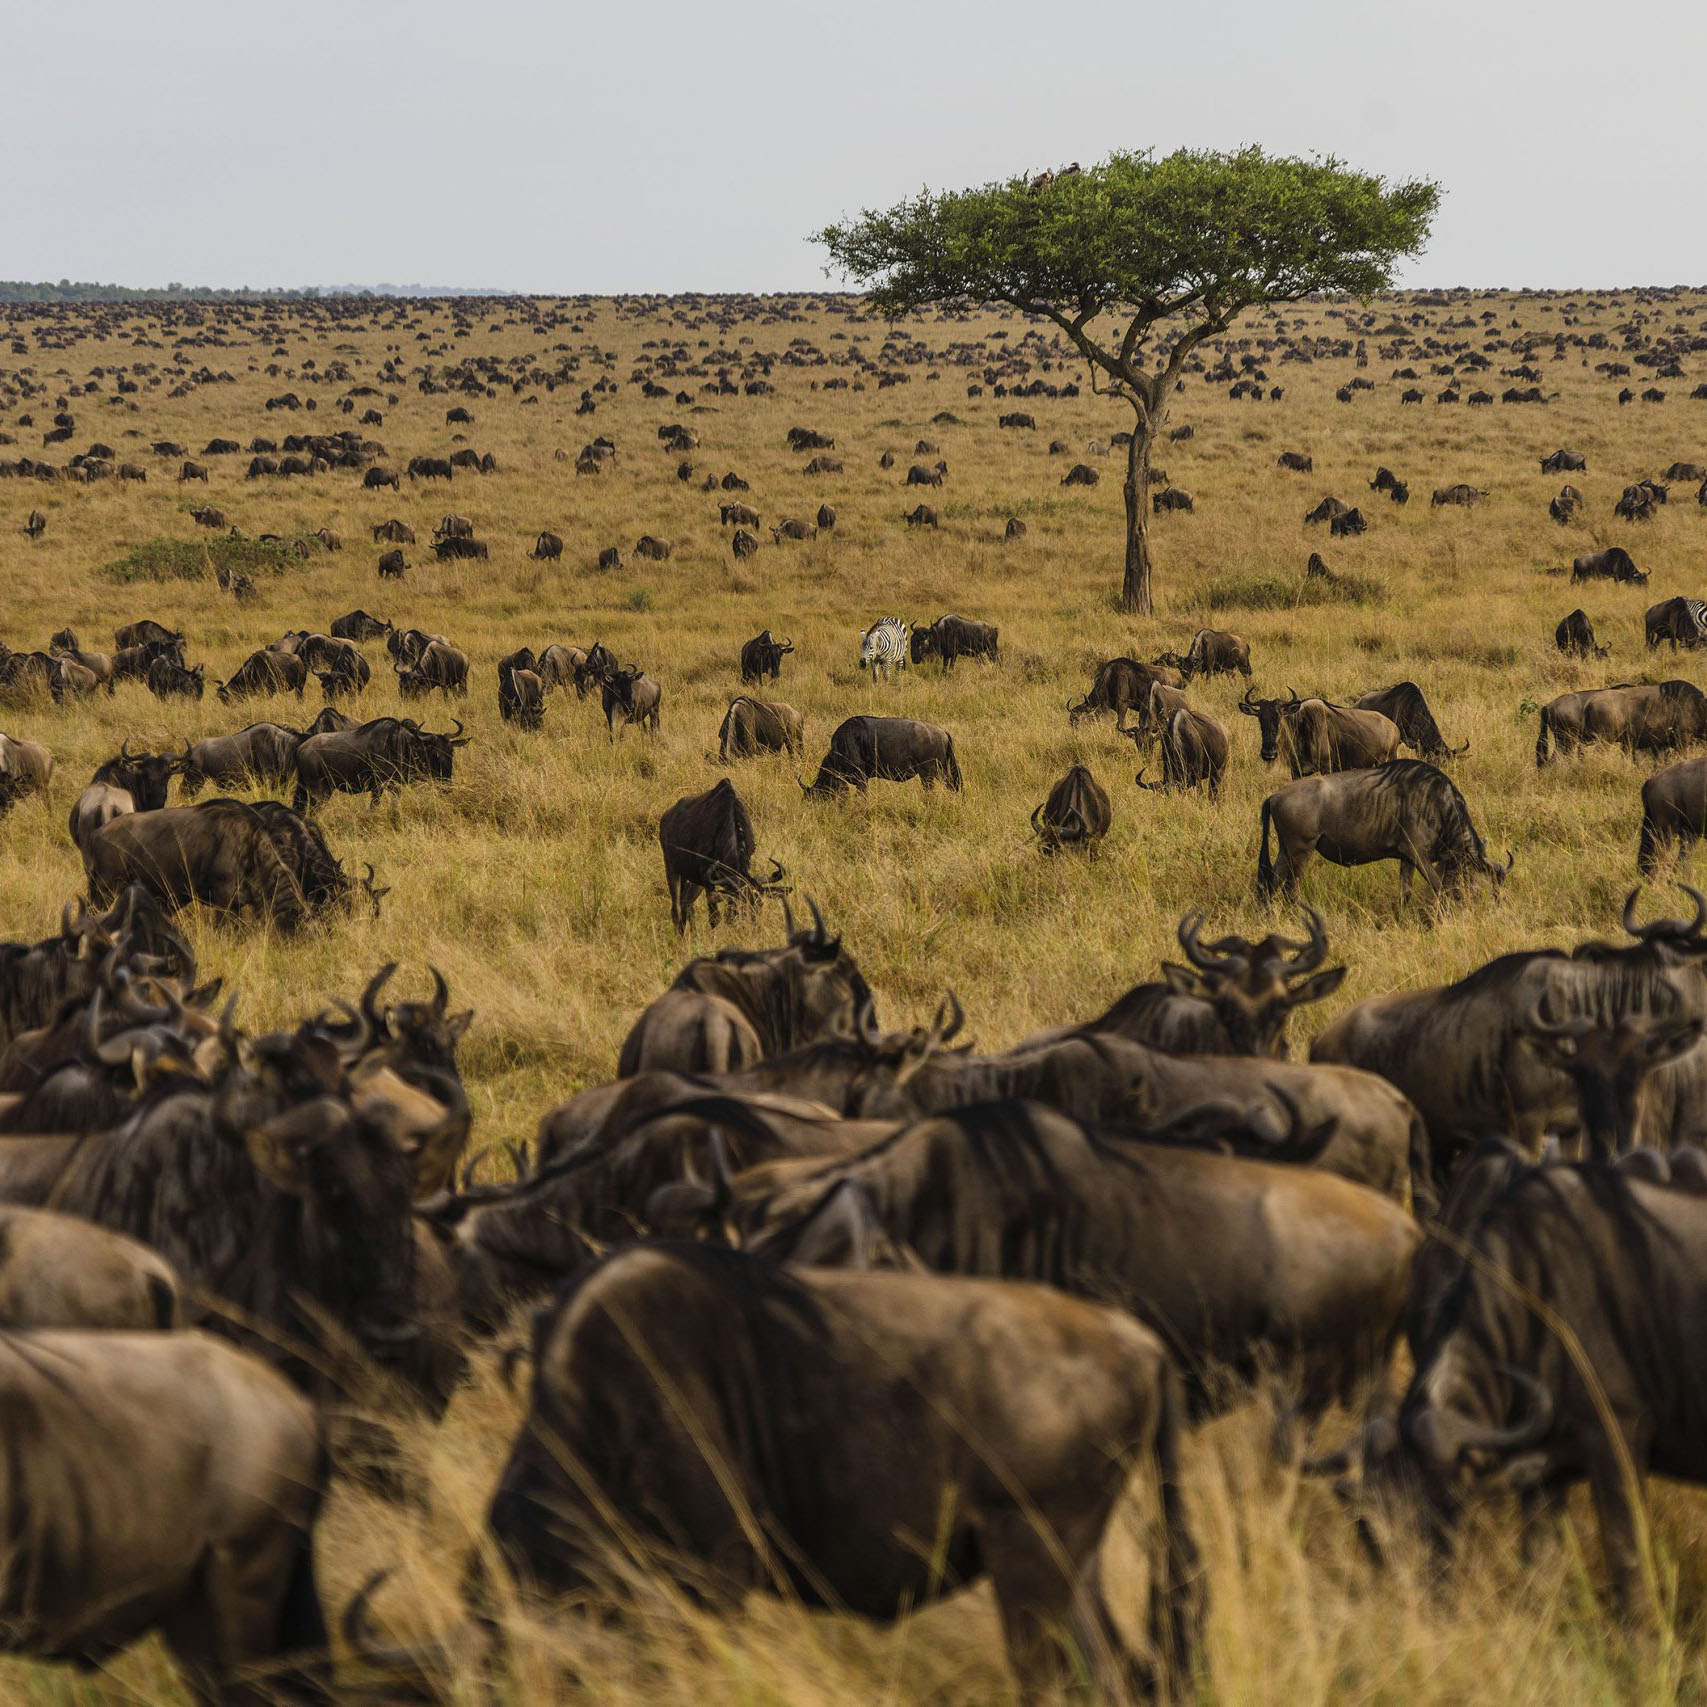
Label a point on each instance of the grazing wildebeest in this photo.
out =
(394, 532)
(454, 549)
(1674, 810)
(1169, 500)
(1076, 814)
(884, 647)
(547, 548)
(133, 782)
(263, 752)
(1682, 621)
(521, 691)
(762, 656)
(921, 516)
(358, 625)
(169, 680)
(1655, 717)
(264, 672)
(652, 549)
(1385, 480)
(1326, 510)
(387, 753)
(1317, 736)
(743, 545)
(1460, 494)
(746, 1006)
(1212, 652)
(163, 1482)
(738, 515)
(25, 766)
(1403, 704)
(429, 468)
(35, 524)
(883, 1374)
(1575, 637)
(454, 527)
(952, 637)
(708, 847)
(753, 726)
(1612, 564)
(440, 665)
(1405, 809)
(1297, 461)
(1120, 685)
(1194, 753)
(1080, 474)
(610, 558)
(1351, 523)
(376, 477)
(885, 749)
(629, 697)
(920, 475)
(1564, 462)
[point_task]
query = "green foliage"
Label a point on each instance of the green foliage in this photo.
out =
(638, 599)
(1269, 592)
(201, 559)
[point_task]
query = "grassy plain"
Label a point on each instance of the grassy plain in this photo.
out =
(535, 881)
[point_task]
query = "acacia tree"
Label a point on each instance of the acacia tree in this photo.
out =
(1138, 260)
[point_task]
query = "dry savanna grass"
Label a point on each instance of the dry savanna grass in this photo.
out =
(535, 882)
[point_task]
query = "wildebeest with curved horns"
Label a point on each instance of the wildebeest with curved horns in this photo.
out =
(1194, 753)
(439, 666)
(1612, 564)
(952, 637)
(753, 726)
(1405, 809)
(1212, 652)
(1403, 705)
(1003, 1421)
(885, 749)
(264, 672)
(1076, 814)
(1318, 736)
(386, 753)
(358, 625)
(133, 782)
(629, 696)
(761, 657)
(708, 846)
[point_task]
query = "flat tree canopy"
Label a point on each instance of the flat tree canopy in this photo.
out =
(1138, 260)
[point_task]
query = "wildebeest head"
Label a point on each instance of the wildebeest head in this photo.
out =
(833, 988)
(1269, 713)
(146, 776)
(427, 1031)
(1253, 987)
(599, 665)
(435, 755)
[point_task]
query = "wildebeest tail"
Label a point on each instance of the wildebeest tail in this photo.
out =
(1647, 848)
(1265, 866)
(953, 767)
(1176, 1593)
(1541, 738)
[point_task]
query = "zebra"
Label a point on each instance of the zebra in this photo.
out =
(884, 646)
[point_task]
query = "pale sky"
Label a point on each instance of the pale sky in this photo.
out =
(641, 145)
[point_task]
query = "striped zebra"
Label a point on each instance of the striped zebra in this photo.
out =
(884, 646)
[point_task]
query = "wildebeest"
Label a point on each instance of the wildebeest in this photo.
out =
(454, 527)
(738, 515)
(1297, 461)
(1459, 494)
(1674, 810)
(1405, 809)
(628, 696)
(258, 860)
(655, 550)
(1194, 752)
(708, 847)
(547, 548)
(376, 477)
(392, 565)
(952, 637)
(25, 766)
(1169, 500)
(358, 625)
(762, 657)
(1212, 652)
(884, 647)
(394, 532)
(1564, 462)
(439, 666)
(1575, 637)
(35, 524)
(1682, 621)
(456, 549)
(1612, 564)
(743, 545)
(1326, 510)
(1120, 685)
(884, 1375)
(428, 468)
(263, 752)
(133, 782)
(1655, 717)
(921, 516)
(163, 1482)
(1352, 522)
(387, 753)
(59, 1271)
(886, 749)
(753, 726)
(1385, 480)
(1403, 704)
(521, 696)
(169, 680)
(264, 672)
(920, 475)
(1076, 814)
(1317, 736)
(1081, 474)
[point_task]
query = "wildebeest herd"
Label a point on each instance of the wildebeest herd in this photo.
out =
(823, 1304)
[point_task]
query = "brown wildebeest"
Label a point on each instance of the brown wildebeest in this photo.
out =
(1656, 717)
(1575, 637)
(1612, 564)
(548, 548)
(753, 726)
(1404, 704)
(762, 657)
(630, 697)
(885, 749)
(1194, 753)
(1682, 621)
(708, 847)
(1405, 810)
(1120, 685)
(1674, 810)
(1462, 494)
(1076, 814)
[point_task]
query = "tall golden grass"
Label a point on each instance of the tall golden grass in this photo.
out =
(534, 881)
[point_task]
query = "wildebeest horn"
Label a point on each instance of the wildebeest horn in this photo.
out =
(787, 917)
(373, 894)
(124, 748)
(1308, 955)
(370, 1005)
(819, 929)
(1190, 926)
(1248, 701)
(1292, 695)
(1445, 1435)
(1458, 752)
(421, 1669)
(1153, 787)
(441, 992)
(360, 1040)
(777, 872)
(1666, 927)
(956, 1018)
(805, 788)
(865, 1024)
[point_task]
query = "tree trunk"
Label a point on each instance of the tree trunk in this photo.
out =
(1135, 588)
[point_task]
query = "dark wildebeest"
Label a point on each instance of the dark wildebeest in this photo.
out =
(743, 545)
(144, 633)
(652, 549)
(1169, 500)
(951, 637)
(1212, 652)
(133, 782)
(392, 565)
(1194, 753)
(1385, 480)
(921, 516)
(358, 625)
(454, 527)
(1557, 1351)
(915, 1404)
(1655, 717)
(439, 666)
(547, 548)
(348, 673)
(1405, 809)
(753, 726)
(264, 672)
(163, 1482)
(168, 680)
(1121, 685)
(762, 656)
(738, 515)
(1685, 471)
(708, 846)
(428, 468)
(1325, 511)
(1404, 706)
(1575, 637)
(1564, 462)
(1682, 621)
(1317, 736)
(885, 749)
(1353, 522)
(377, 477)
(920, 475)
(746, 1006)
(630, 697)
(454, 549)
(1297, 461)
(264, 752)
(35, 524)
(394, 532)
(1076, 814)
(1563, 509)
(521, 696)
(387, 753)
(1674, 809)
(610, 558)
(1460, 494)
(1612, 564)
(260, 860)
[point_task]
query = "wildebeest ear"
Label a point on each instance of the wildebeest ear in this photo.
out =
(1181, 980)
(457, 1024)
(1321, 984)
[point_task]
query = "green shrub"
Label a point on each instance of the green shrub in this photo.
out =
(1269, 592)
(202, 559)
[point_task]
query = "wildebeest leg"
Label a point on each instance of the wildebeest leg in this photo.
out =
(1619, 1536)
(1541, 1517)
